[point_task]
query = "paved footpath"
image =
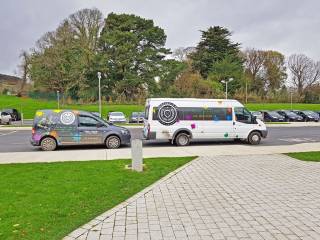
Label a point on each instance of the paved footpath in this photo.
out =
(220, 197)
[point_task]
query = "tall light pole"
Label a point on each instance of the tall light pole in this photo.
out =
(58, 98)
(99, 77)
(291, 98)
(226, 82)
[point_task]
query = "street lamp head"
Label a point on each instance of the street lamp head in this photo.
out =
(223, 81)
(231, 79)
(99, 75)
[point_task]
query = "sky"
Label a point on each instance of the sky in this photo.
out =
(288, 26)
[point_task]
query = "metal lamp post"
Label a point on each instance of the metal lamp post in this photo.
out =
(226, 82)
(58, 98)
(99, 77)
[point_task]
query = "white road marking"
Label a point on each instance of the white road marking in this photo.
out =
(5, 134)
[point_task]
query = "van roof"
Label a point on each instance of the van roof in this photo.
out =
(195, 100)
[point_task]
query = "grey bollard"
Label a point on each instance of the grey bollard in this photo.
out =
(136, 153)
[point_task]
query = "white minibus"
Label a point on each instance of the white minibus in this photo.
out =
(182, 119)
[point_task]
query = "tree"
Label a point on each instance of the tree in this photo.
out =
(275, 70)
(215, 45)
(305, 72)
(254, 63)
(132, 52)
(24, 68)
(182, 54)
(64, 60)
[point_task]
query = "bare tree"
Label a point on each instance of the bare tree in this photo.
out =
(254, 60)
(87, 24)
(24, 68)
(305, 72)
(181, 54)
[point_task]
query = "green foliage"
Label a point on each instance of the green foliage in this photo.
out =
(49, 200)
(215, 45)
(132, 50)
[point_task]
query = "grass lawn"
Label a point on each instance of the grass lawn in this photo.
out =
(49, 200)
(30, 106)
(306, 156)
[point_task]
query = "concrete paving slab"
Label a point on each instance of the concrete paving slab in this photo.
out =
(220, 197)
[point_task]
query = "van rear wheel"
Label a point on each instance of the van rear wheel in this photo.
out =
(182, 139)
(113, 142)
(254, 138)
(48, 144)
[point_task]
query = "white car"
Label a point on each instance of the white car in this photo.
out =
(117, 117)
(183, 119)
(5, 118)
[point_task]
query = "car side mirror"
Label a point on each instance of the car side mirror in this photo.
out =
(99, 125)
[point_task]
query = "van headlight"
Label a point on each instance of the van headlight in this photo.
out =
(124, 132)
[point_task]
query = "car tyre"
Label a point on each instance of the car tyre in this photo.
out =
(113, 142)
(254, 138)
(48, 144)
(182, 139)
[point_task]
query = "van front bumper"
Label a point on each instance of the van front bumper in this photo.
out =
(264, 133)
(34, 142)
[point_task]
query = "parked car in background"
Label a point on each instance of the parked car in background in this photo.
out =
(136, 117)
(54, 128)
(290, 116)
(308, 116)
(117, 117)
(257, 114)
(14, 113)
(272, 116)
(5, 118)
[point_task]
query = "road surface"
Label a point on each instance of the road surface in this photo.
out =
(18, 141)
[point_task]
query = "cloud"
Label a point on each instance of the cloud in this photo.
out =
(287, 26)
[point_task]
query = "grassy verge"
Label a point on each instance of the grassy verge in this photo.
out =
(306, 156)
(49, 200)
(29, 106)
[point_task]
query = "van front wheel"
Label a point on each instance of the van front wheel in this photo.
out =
(254, 138)
(182, 139)
(48, 144)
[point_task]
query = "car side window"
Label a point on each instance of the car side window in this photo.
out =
(86, 121)
(242, 115)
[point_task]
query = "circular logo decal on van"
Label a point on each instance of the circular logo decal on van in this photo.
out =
(67, 118)
(167, 113)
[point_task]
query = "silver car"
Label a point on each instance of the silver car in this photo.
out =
(117, 117)
(5, 118)
(257, 114)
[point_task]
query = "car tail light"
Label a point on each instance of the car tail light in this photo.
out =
(33, 131)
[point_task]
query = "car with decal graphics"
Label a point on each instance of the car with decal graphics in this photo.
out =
(54, 128)
(180, 120)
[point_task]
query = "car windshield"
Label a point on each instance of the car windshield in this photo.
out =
(309, 113)
(118, 114)
(274, 114)
(134, 114)
(256, 113)
(290, 114)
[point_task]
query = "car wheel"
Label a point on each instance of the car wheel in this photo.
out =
(182, 139)
(254, 138)
(9, 122)
(48, 144)
(113, 142)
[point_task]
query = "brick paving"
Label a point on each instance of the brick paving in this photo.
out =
(222, 197)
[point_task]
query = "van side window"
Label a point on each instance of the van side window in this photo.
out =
(242, 115)
(86, 121)
(200, 114)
